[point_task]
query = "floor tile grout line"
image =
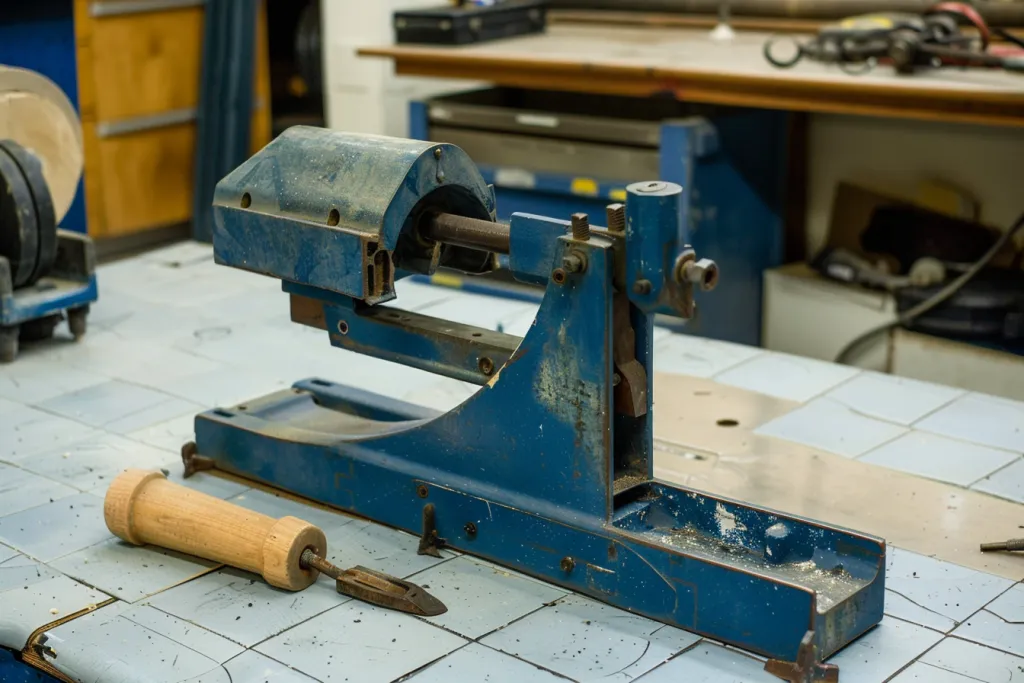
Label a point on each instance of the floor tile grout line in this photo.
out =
(993, 473)
(962, 393)
(1008, 589)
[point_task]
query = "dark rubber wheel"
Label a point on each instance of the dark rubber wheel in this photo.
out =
(46, 219)
(76, 321)
(19, 229)
(39, 329)
(8, 344)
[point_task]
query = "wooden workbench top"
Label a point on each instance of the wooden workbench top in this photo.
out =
(641, 61)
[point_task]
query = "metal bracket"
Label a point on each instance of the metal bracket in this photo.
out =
(430, 542)
(806, 668)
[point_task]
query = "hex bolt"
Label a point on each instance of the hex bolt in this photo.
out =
(567, 564)
(616, 217)
(642, 287)
(702, 273)
(580, 227)
(574, 263)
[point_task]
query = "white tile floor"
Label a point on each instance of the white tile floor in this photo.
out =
(172, 334)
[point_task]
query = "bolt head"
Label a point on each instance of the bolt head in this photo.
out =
(567, 564)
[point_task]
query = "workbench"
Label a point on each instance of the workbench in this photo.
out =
(932, 469)
(687, 64)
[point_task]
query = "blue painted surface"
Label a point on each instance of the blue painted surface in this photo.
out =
(13, 670)
(653, 230)
(533, 246)
(40, 36)
(732, 167)
(548, 459)
(370, 186)
(27, 304)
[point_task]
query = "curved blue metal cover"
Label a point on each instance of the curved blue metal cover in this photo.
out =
(315, 205)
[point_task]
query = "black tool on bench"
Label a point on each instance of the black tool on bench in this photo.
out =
(470, 22)
(906, 41)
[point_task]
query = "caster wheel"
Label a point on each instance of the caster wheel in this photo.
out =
(8, 344)
(40, 329)
(76, 321)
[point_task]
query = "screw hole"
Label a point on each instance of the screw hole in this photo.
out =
(727, 422)
(333, 218)
(470, 529)
(477, 334)
(422, 491)
(243, 407)
(342, 327)
(558, 276)
(246, 200)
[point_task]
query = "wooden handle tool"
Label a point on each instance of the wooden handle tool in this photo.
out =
(143, 507)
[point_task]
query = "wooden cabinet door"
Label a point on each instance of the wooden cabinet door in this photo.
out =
(139, 70)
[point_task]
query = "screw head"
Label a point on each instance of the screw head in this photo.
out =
(651, 187)
(486, 366)
(470, 529)
(642, 287)
(437, 152)
(567, 564)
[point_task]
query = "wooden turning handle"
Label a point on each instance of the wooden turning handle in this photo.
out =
(143, 507)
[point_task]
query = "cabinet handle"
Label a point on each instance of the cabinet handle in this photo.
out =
(117, 7)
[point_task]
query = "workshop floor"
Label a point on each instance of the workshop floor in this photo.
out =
(173, 335)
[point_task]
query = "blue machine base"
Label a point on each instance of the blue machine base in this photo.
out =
(47, 297)
(13, 670)
(734, 572)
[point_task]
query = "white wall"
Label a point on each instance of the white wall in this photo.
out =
(362, 94)
(894, 156)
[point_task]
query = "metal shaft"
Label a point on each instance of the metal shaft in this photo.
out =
(1014, 544)
(471, 233)
(314, 561)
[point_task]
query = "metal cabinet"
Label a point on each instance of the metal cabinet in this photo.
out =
(559, 153)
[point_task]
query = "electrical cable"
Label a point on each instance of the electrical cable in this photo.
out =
(1009, 37)
(938, 298)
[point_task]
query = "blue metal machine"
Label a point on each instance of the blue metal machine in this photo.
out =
(553, 154)
(548, 467)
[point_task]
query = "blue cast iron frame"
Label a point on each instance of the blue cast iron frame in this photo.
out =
(543, 469)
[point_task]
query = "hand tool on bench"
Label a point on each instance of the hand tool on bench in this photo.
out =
(142, 507)
(548, 467)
